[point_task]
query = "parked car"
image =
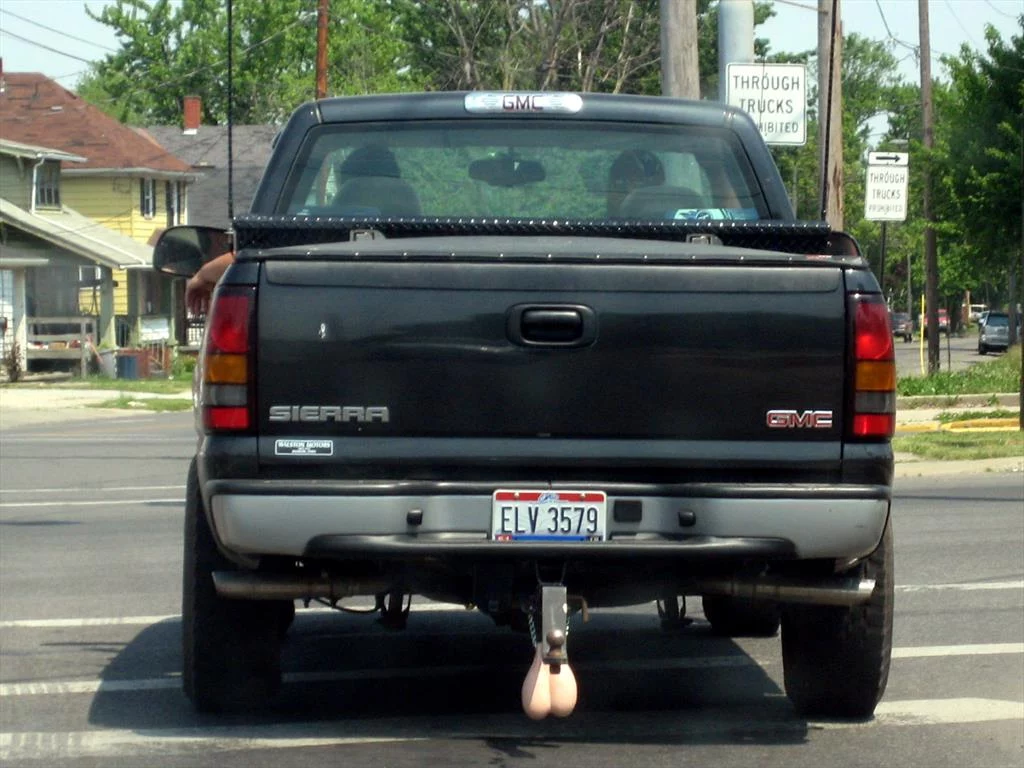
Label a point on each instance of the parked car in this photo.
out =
(976, 312)
(943, 322)
(994, 333)
(902, 325)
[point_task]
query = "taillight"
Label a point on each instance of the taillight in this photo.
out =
(225, 396)
(874, 384)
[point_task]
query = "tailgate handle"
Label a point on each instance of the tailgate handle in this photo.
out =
(565, 325)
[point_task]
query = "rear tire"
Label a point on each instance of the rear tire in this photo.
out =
(836, 660)
(736, 617)
(231, 649)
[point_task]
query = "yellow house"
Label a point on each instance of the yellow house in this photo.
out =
(128, 183)
(44, 248)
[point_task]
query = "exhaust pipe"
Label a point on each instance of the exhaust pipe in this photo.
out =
(844, 592)
(243, 585)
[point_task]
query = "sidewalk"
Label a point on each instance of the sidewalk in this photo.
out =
(46, 405)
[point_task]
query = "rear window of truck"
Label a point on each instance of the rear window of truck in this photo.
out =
(522, 169)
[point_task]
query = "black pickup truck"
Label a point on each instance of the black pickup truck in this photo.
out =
(536, 352)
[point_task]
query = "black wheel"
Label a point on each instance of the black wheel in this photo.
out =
(908, 338)
(231, 649)
(982, 349)
(736, 617)
(836, 660)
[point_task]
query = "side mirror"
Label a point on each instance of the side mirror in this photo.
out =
(181, 251)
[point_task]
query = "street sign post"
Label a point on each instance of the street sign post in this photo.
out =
(775, 95)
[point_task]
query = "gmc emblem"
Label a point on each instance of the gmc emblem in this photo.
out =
(789, 419)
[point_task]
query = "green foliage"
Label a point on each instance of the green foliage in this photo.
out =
(182, 367)
(158, 404)
(1001, 375)
(981, 157)
(171, 50)
(959, 446)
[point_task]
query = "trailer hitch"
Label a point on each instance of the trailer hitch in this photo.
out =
(550, 685)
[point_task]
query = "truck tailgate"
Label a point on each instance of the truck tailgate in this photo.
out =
(494, 350)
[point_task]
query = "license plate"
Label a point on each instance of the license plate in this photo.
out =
(548, 515)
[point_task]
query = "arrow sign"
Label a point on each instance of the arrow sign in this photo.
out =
(888, 158)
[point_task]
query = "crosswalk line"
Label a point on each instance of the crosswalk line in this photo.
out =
(95, 686)
(111, 744)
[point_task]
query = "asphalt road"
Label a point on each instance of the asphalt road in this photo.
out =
(955, 353)
(90, 521)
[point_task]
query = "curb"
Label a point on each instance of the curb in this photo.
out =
(909, 402)
(968, 425)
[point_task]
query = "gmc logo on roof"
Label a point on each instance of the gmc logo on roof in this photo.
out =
(513, 102)
(790, 419)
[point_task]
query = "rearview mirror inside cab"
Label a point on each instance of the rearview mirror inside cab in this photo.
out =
(181, 251)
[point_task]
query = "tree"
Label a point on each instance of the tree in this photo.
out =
(168, 51)
(982, 155)
(610, 46)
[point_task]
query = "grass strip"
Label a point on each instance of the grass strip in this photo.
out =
(957, 446)
(159, 404)
(999, 375)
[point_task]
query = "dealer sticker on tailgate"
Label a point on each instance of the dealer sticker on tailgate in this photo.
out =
(304, 448)
(564, 516)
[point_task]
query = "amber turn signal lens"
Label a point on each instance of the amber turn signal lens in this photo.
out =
(876, 377)
(226, 369)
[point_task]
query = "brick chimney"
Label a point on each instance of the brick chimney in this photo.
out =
(193, 112)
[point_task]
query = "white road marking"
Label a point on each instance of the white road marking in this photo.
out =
(129, 621)
(63, 687)
(931, 651)
(939, 712)
(98, 503)
(972, 587)
(94, 489)
(123, 621)
(77, 745)
(52, 747)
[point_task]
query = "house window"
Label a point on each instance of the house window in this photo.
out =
(173, 202)
(48, 185)
(147, 198)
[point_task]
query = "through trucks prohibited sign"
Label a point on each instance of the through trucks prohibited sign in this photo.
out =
(775, 95)
(885, 194)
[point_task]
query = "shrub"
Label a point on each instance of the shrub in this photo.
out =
(183, 366)
(12, 362)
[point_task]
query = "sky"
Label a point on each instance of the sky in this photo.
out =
(75, 39)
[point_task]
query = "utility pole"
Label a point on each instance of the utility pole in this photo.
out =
(735, 40)
(321, 49)
(680, 76)
(830, 112)
(931, 262)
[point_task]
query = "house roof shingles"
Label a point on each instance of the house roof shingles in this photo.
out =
(207, 152)
(36, 110)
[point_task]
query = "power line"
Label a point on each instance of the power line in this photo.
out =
(1001, 13)
(44, 47)
(888, 31)
(961, 25)
(56, 31)
(797, 5)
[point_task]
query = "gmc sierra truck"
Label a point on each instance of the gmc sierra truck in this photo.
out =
(534, 353)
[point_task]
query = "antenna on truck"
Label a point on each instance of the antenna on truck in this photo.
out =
(231, 100)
